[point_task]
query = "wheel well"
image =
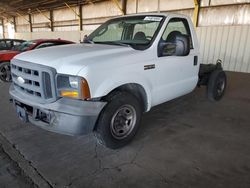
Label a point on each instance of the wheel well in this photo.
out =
(136, 90)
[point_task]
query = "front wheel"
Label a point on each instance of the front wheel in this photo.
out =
(119, 120)
(5, 74)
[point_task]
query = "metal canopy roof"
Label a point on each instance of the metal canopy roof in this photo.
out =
(10, 8)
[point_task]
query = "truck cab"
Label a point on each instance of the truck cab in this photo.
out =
(125, 67)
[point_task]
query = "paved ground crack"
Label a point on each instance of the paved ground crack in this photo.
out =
(164, 180)
(25, 165)
(11, 173)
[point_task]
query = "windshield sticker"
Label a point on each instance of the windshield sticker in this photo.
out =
(153, 18)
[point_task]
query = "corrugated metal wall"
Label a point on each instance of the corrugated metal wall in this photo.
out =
(231, 44)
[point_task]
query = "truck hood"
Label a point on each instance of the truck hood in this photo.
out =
(70, 59)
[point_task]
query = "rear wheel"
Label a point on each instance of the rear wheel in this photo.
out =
(119, 120)
(216, 85)
(5, 74)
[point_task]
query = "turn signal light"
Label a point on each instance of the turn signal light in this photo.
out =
(72, 94)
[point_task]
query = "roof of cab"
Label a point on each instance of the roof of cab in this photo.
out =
(155, 14)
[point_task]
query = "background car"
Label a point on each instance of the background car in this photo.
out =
(7, 55)
(9, 44)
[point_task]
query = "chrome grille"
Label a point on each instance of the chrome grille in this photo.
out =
(34, 80)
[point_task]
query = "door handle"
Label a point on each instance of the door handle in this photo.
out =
(195, 60)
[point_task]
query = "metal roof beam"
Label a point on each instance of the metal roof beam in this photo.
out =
(44, 15)
(118, 6)
(72, 9)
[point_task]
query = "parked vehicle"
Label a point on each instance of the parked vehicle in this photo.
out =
(7, 55)
(9, 44)
(126, 66)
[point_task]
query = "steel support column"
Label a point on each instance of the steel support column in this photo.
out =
(124, 6)
(14, 23)
(159, 6)
(30, 21)
(196, 12)
(136, 6)
(51, 15)
(80, 18)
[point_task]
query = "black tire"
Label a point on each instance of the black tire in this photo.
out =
(5, 74)
(216, 85)
(113, 122)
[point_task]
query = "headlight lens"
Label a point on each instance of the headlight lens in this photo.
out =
(74, 82)
(72, 87)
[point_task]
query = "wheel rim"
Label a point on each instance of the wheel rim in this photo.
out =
(123, 122)
(5, 73)
(220, 86)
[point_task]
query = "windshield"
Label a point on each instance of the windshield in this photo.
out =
(25, 46)
(135, 31)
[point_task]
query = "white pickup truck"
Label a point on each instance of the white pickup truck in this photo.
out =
(125, 67)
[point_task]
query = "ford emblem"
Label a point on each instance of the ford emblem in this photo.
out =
(20, 80)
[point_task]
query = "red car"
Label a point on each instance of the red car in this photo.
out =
(7, 55)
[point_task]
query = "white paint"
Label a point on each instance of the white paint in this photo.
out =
(107, 67)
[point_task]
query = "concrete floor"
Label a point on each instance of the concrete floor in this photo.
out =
(11, 175)
(188, 142)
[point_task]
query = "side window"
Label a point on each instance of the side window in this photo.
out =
(148, 29)
(2, 45)
(177, 25)
(8, 44)
(15, 43)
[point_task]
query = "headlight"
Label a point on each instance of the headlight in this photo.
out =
(74, 82)
(72, 87)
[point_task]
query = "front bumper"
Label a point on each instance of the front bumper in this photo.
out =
(65, 116)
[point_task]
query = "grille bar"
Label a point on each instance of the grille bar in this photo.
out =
(24, 75)
(26, 86)
(37, 81)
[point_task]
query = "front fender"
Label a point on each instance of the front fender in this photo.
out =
(117, 80)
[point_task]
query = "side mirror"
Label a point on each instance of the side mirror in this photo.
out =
(182, 45)
(166, 49)
(179, 47)
(85, 39)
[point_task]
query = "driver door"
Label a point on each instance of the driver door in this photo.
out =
(177, 74)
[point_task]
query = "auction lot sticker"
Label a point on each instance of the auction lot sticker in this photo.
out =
(153, 18)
